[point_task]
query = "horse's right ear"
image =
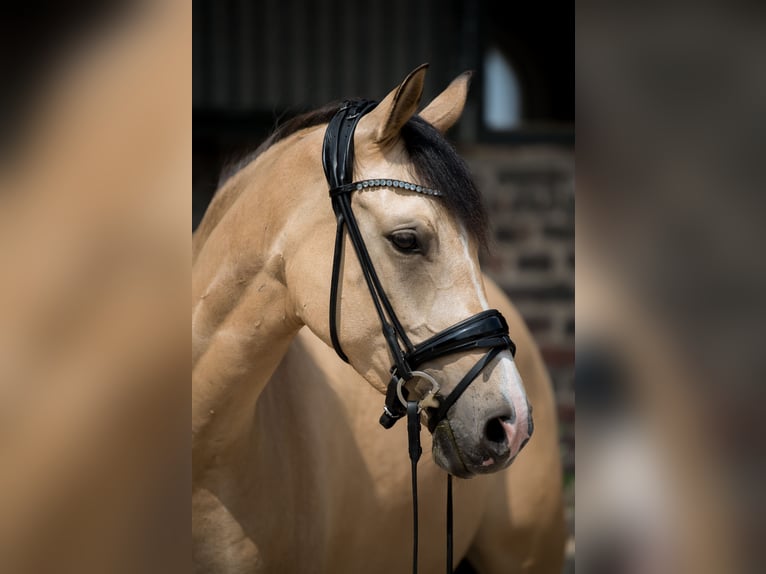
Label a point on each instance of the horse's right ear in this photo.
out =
(388, 117)
(445, 109)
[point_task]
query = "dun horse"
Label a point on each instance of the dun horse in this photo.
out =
(291, 473)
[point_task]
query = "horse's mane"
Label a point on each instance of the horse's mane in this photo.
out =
(434, 159)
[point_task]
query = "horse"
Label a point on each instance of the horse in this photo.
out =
(289, 471)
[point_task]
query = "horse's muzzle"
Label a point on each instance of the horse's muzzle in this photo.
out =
(466, 454)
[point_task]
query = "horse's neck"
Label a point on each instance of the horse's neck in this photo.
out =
(242, 322)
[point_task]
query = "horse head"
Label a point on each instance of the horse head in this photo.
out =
(424, 248)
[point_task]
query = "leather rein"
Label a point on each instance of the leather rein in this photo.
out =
(485, 330)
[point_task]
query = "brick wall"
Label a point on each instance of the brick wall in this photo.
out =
(529, 193)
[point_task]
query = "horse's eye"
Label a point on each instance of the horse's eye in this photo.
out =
(405, 241)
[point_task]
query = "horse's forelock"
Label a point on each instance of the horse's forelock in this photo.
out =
(439, 166)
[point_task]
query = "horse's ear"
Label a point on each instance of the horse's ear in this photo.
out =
(445, 109)
(388, 117)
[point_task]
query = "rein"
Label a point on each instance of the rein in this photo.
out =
(485, 330)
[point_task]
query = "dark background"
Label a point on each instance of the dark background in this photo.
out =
(257, 62)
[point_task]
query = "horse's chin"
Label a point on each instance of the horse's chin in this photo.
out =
(449, 456)
(446, 452)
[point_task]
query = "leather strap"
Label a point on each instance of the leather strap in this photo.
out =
(483, 330)
(336, 262)
(449, 524)
(413, 440)
(338, 147)
(338, 163)
(447, 403)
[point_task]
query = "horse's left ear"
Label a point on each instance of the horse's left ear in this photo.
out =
(445, 109)
(388, 117)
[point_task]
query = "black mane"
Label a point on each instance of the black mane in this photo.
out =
(434, 159)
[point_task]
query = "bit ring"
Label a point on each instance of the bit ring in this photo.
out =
(422, 375)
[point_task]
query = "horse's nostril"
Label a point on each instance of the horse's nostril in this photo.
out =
(494, 430)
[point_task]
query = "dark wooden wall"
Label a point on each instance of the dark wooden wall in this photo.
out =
(276, 54)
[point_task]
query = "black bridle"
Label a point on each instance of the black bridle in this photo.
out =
(485, 330)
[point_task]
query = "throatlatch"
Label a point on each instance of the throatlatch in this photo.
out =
(486, 330)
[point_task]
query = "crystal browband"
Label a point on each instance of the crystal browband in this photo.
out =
(371, 183)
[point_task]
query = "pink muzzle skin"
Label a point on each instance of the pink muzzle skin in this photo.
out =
(516, 436)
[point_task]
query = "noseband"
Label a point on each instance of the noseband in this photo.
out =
(485, 330)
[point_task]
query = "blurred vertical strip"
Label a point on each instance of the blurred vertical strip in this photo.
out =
(94, 247)
(671, 282)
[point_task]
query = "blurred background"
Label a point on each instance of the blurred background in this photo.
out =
(670, 286)
(95, 173)
(259, 63)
